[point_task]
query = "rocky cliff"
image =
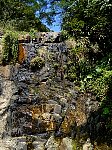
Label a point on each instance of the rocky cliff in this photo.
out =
(39, 108)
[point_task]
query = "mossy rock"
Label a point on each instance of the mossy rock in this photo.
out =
(37, 63)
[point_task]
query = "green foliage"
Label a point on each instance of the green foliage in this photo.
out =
(74, 145)
(71, 76)
(79, 62)
(32, 33)
(99, 82)
(22, 15)
(10, 47)
(64, 35)
(88, 18)
(37, 63)
(93, 73)
(106, 111)
(97, 86)
(89, 65)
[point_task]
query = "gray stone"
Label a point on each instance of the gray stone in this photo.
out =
(66, 144)
(72, 107)
(63, 101)
(52, 102)
(39, 145)
(57, 109)
(8, 90)
(21, 146)
(91, 105)
(57, 117)
(88, 145)
(52, 144)
(74, 93)
(12, 144)
(21, 143)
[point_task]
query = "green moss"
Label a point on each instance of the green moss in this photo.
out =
(37, 63)
(76, 145)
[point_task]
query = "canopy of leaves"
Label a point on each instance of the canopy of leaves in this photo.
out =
(21, 14)
(90, 18)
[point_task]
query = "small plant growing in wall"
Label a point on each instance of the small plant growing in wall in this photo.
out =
(37, 63)
(64, 35)
(32, 34)
(10, 47)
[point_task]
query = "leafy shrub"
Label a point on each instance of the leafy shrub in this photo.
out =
(64, 35)
(71, 43)
(79, 64)
(10, 47)
(32, 33)
(93, 73)
(100, 85)
(37, 63)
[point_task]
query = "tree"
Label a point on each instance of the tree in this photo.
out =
(90, 18)
(21, 14)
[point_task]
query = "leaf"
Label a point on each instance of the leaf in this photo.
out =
(85, 79)
(89, 77)
(98, 70)
(106, 111)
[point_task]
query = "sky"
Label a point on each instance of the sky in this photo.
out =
(56, 26)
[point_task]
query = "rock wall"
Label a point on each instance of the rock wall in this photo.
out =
(40, 109)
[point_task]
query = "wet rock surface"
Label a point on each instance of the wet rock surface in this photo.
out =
(40, 109)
